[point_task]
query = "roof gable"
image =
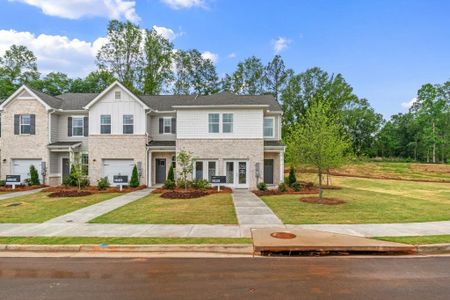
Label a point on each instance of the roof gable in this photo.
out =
(25, 92)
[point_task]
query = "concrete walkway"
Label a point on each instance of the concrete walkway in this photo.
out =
(18, 194)
(251, 210)
(86, 214)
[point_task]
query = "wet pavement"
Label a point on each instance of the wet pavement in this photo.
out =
(226, 278)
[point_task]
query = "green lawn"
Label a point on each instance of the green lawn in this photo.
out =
(37, 208)
(118, 241)
(212, 209)
(368, 201)
(418, 240)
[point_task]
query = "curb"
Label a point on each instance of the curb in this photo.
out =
(433, 249)
(207, 248)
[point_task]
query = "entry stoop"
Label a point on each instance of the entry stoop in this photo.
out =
(268, 241)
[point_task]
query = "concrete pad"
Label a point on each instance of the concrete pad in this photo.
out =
(249, 204)
(231, 231)
(253, 210)
(258, 219)
(159, 230)
(317, 241)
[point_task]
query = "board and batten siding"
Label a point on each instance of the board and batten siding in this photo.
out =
(193, 124)
(154, 128)
(117, 108)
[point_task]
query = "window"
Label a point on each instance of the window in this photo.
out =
(128, 124)
(117, 95)
(25, 124)
(85, 164)
(199, 170)
(174, 161)
(167, 125)
(213, 123)
(105, 124)
(227, 123)
(77, 126)
(268, 127)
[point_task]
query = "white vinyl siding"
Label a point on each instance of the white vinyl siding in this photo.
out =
(153, 129)
(194, 123)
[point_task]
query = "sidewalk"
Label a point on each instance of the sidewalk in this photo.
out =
(86, 214)
(18, 194)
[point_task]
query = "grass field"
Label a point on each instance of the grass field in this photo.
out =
(118, 241)
(37, 208)
(212, 209)
(418, 240)
(368, 201)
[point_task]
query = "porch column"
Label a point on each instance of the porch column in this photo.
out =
(281, 166)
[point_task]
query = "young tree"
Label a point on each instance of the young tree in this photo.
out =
(318, 141)
(134, 181)
(157, 63)
(171, 174)
(121, 54)
(34, 176)
(186, 166)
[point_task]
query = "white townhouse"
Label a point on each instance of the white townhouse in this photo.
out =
(108, 133)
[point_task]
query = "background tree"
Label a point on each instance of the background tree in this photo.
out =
(17, 66)
(248, 79)
(121, 54)
(54, 83)
(318, 141)
(276, 76)
(94, 82)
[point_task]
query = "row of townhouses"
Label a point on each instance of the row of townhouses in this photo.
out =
(108, 133)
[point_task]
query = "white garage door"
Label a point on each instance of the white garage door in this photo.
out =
(22, 167)
(113, 167)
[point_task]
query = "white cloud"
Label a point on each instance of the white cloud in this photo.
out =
(75, 9)
(409, 103)
(166, 32)
(55, 52)
(231, 55)
(214, 57)
(280, 44)
(180, 4)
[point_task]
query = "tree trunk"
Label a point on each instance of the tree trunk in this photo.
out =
(434, 143)
(320, 186)
(328, 178)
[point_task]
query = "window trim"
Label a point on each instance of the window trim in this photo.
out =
(123, 123)
(110, 124)
(273, 127)
(169, 119)
(86, 164)
(218, 123)
(231, 123)
(205, 165)
(82, 126)
(23, 124)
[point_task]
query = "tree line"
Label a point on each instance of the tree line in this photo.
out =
(147, 63)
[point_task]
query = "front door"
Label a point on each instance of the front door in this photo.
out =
(65, 167)
(268, 171)
(160, 170)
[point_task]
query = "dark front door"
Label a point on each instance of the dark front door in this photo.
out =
(268, 171)
(160, 170)
(65, 167)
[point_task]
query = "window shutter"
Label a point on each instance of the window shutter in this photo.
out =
(69, 126)
(16, 124)
(33, 124)
(86, 126)
(161, 125)
(174, 125)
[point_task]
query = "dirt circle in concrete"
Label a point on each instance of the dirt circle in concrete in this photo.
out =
(326, 201)
(283, 235)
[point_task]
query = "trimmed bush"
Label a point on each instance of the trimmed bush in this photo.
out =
(291, 178)
(183, 184)
(296, 186)
(200, 184)
(169, 184)
(34, 176)
(282, 188)
(134, 182)
(171, 174)
(103, 183)
(262, 186)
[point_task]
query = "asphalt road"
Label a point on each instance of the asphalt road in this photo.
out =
(226, 278)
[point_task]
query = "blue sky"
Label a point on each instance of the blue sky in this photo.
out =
(385, 49)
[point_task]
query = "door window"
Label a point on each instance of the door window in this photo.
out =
(242, 172)
(230, 171)
(199, 170)
(211, 169)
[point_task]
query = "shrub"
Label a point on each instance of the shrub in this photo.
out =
(307, 184)
(291, 178)
(71, 179)
(262, 186)
(183, 184)
(282, 188)
(2, 182)
(34, 176)
(200, 184)
(102, 183)
(171, 175)
(169, 184)
(296, 186)
(134, 182)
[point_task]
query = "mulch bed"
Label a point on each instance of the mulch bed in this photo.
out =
(92, 189)
(208, 191)
(64, 194)
(183, 194)
(20, 188)
(326, 201)
(274, 192)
